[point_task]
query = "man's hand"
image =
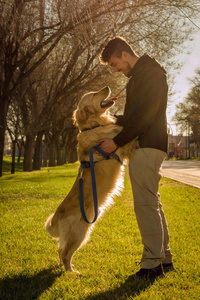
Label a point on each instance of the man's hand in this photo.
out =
(108, 145)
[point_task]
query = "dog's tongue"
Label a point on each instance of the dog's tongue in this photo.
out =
(109, 99)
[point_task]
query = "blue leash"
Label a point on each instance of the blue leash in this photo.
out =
(94, 191)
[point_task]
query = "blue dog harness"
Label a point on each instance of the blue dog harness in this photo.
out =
(90, 164)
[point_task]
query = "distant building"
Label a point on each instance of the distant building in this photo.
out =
(180, 146)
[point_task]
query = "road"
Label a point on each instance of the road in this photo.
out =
(185, 171)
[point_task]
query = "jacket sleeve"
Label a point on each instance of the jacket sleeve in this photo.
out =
(119, 119)
(139, 116)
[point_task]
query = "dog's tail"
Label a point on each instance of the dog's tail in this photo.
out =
(51, 225)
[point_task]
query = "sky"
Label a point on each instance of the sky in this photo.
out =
(181, 84)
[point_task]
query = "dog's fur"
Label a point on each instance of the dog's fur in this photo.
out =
(67, 223)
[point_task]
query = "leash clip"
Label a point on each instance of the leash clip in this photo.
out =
(81, 173)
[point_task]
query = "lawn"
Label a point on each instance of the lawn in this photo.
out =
(29, 266)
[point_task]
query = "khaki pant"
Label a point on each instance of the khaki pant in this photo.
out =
(144, 170)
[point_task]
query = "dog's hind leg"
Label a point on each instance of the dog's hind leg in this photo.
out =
(59, 253)
(67, 253)
(75, 240)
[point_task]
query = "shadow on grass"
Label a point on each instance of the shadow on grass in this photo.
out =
(129, 288)
(25, 286)
(7, 166)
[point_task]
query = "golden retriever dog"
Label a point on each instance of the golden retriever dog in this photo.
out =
(94, 123)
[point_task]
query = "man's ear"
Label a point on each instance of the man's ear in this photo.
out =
(124, 55)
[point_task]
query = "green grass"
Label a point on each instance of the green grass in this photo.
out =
(29, 260)
(7, 165)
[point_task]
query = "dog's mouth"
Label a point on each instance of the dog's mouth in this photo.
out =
(108, 102)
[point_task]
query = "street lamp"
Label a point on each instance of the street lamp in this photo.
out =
(170, 141)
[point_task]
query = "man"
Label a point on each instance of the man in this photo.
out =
(144, 117)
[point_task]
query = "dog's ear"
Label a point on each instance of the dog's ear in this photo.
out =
(75, 117)
(81, 115)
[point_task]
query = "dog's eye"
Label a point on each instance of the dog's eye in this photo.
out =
(95, 94)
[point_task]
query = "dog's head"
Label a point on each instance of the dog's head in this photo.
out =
(92, 106)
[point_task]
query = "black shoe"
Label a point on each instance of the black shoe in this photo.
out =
(149, 274)
(168, 267)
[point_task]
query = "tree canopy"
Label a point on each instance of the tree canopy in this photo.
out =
(188, 111)
(50, 49)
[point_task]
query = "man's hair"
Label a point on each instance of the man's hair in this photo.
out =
(115, 47)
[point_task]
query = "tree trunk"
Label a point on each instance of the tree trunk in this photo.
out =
(37, 152)
(45, 154)
(19, 153)
(20, 147)
(2, 135)
(13, 157)
(72, 156)
(63, 156)
(52, 156)
(3, 114)
(58, 154)
(27, 166)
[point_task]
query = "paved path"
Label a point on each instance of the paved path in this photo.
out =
(185, 171)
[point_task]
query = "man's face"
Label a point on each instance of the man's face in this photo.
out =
(120, 65)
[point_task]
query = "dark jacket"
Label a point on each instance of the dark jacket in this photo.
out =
(145, 110)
